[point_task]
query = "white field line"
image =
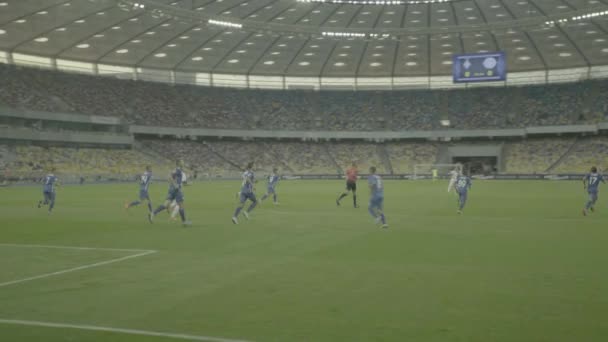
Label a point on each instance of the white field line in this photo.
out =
(73, 247)
(118, 330)
(140, 253)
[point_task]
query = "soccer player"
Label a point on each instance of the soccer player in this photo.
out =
(351, 185)
(376, 200)
(144, 185)
(453, 176)
(273, 180)
(174, 194)
(48, 190)
(184, 178)
(591, 183)
(247, 193)
(463, 185)
(174, 210)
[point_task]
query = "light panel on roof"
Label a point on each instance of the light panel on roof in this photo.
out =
(224, 23)
(375, 2)
(354, 34)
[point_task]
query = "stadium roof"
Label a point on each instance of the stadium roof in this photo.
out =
(299, 37)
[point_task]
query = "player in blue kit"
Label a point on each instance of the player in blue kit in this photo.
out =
(273, 180)
(591, 183)
(49, 182)
(376, 201)
(463, 185)
(144, 185)
(247, 193)
(174, 194)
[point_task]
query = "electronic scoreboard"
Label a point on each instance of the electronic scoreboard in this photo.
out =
(479, 67)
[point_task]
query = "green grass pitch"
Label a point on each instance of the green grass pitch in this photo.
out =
(521, 264)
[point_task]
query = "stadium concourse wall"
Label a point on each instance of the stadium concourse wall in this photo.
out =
(374, 136)
(75, 138)
(211, 79)
(28, 125)
(62, 117)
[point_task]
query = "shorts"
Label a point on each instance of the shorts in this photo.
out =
(49, 196)
(376, 202)
(593, 196)
(270, 190)
(451, 185)
(351, 186)
(247, 196)
(175, 195)
(143, 195)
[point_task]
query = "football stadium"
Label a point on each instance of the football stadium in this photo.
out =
(303, 170)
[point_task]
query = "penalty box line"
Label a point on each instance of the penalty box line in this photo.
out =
(140, 253)
(118, 330)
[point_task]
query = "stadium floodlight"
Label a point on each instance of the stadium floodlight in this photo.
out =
(353, 35)
(578, 17)
(224, 23)
(164, 9)
(375, 2)
(343, 34)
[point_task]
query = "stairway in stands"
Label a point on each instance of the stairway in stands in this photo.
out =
(386, 160)
(562, 157)
(334, 161)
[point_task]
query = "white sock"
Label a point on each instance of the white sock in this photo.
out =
(175, 211)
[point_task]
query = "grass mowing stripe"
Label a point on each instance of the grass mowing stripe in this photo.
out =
(118, 330)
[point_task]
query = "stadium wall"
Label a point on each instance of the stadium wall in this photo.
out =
(63, 117)
(24, 134)
(374, 136)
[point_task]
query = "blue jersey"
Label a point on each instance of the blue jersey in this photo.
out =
(145, 181)
(273, 180)
(177, 177)
(376, 185)
(248, 180)
(49, 183)
(593, 182)
(463, 184)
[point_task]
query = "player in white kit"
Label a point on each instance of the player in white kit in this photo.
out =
(454, 176)
(173, 207)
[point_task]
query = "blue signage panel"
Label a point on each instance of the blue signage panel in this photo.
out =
(479, 67)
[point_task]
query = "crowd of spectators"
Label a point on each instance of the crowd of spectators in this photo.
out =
(206, 159)
(217, 158)
(228, 158)
(196, 155)
(364, 154)
(535, 155)
(157, 104)
(404, 156)
(29, 161)
(585, 152)
(222, 159)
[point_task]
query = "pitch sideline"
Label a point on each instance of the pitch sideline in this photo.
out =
(118, 330)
